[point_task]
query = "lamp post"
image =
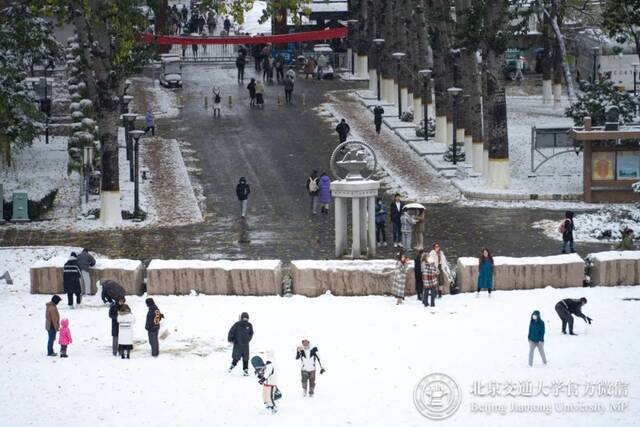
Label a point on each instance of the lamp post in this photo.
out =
(454, 92)
(86, 166)
(596, 52)
(379, 43)
(426, 79)
(635, 66)
(45, 103)
(124, 104)
(128, 122)
(353, 23)
(136, 134)
(399, 56)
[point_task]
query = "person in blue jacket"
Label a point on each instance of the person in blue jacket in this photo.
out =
(485, 275)
(381, 219)
(536, 337)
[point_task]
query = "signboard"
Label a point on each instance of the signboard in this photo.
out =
(620, 68)
(628, 165)
(602, 165)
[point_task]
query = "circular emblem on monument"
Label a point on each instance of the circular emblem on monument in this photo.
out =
(353, 160)
(437, 396)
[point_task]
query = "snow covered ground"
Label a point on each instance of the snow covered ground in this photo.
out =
(374, 351)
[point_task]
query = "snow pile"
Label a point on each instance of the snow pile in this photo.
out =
(265, 264)
(373, 266)
(374, 351)
(38, 170)
(615, 255)
(164, 102)
(606, 224)
(536, 260)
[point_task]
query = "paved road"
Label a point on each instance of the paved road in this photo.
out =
(275, 149)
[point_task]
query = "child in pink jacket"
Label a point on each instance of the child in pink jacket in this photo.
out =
(65, 337)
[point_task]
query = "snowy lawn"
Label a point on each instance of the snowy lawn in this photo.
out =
(374, 351)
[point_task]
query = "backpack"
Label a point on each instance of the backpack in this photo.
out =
(313, 185)
(562, 225)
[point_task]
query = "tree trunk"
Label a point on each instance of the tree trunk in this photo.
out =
(442, 66)
(546, 59)
(555, 20)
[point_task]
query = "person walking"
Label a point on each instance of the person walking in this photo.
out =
(417, 272)
(85, 261)
(429, 281)
(407, 222)
(400, 277)
(71, 278)
(240, 335)
(217, 101)
(65, 337)
(324, 191)
(278, 64)
(126, 320)
(211, 23)
(567, 308)
(396, 223)
(485, 267)
(260, 94)
(314, 191)
(381, 219)
(519, 69)
(378, 111)
(240, 64)
(308, 357)
(322, 65)
(343, 130)
(288, 89)
(251, 87)
(113, 315)
(52, 323)
(149, 122)
(242, 191)
(309, 68)
(566, 228)
(536, 337)
(152, 325)
(437, 258)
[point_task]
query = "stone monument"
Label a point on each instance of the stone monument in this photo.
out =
(352, 164)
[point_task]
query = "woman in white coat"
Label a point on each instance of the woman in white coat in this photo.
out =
(437, 258)
(126, 320)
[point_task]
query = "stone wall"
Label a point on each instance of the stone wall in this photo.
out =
(615, 268)
(46, 275)
(179, 277)
(560, 271)
(346, 278)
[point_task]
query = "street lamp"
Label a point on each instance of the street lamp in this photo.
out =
(45, 103)
(399, 56)
(596, 53)
(635, 66)
(454, 92)
(124, 105)
(379, 43)
(136, 134)
(353, 23)
(426, 79)
(128, 122)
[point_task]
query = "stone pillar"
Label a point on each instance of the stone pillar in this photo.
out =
(340, 225)
(363, 224)
(372, 226)
(355, 227)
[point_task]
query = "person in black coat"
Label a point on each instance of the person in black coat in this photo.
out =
(567, 308)
(396, 212)
(242, 191)
(112, 291)
(71, 277)
(240, 63)
(113, 315)
(417, 271)
(240, 335)
(343, 130)
(567, 232)
(152, 325)
(378, 111)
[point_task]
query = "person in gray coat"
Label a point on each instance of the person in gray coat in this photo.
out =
(85, 261)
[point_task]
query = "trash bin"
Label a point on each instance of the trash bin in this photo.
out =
(20, 207)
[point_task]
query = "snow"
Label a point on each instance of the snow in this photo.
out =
(373, 266)
(38, 169)
(251, 17)
(536, 260)
(265, 264)
(374, 351)
(101, 263)
(615, 255)
(164, 102)
(605, 224)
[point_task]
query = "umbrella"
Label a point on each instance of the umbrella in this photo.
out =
(414, 206)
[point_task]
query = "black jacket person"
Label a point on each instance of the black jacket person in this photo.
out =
(343, 130)
(567, 308)
(240, 335)
(71, 277)
(378, 111)
(152, 325)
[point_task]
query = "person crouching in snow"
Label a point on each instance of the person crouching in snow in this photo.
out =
(125, 331)
(536, 337)
(267, 377)
(65, 337)
(569, 307)
(308, 356)
(400, 276)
